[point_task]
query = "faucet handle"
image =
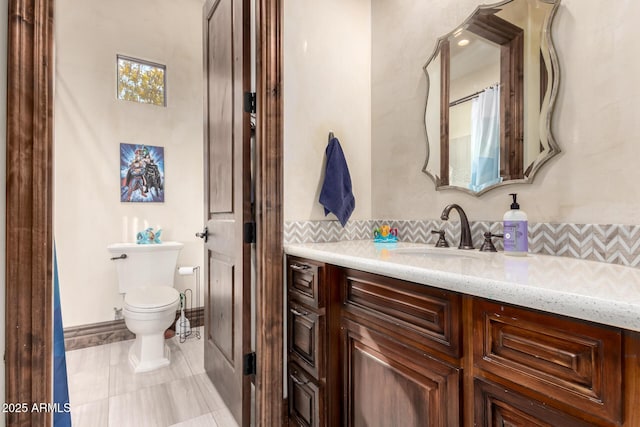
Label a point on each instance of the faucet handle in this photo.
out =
(487, 245)
(442, 242)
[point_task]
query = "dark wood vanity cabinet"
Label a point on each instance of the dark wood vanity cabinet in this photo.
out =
(368, 350)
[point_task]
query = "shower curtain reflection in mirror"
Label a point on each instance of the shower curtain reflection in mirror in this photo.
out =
(485, 139)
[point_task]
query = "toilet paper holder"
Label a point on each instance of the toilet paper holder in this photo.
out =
(188, 271)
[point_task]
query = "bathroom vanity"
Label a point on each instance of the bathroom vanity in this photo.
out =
(412, 335)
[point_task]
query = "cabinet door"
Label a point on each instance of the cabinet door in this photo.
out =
(418, 315)
(389, 384)
(497, 406)
(305, 399)
(306, 337)
(305, 280)
(564, 362)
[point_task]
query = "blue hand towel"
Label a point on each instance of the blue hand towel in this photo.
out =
(336, 195)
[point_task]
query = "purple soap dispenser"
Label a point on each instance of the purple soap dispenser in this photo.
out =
(515, 226)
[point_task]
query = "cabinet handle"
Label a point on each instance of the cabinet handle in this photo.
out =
(296, 380)
(300, 267)
(299, 313)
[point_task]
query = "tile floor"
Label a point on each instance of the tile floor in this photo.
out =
(104, 392)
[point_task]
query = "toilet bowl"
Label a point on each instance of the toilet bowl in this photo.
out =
(148, 312)
(145, 277)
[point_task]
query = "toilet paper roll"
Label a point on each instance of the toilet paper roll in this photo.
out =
(186, 271)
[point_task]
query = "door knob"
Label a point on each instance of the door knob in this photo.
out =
(204, 234)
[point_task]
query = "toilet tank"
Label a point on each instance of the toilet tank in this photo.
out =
(145, 265)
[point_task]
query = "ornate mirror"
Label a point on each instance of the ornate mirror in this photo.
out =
(491, 88)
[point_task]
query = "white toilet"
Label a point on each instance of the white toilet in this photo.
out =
(146, 276)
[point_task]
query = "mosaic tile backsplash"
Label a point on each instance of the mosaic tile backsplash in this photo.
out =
(611, 243)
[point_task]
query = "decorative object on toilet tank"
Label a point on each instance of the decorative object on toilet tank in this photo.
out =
(148, 236)
(141, 173)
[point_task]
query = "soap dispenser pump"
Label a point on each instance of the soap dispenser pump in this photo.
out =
(515, 227)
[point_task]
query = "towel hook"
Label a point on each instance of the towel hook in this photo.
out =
(331, 136)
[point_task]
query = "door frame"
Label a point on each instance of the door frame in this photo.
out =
(29, 225)
(29, 211)
(269, 216)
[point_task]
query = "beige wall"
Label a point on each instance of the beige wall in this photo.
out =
(595, 178)
(90, 124)
(327, 87)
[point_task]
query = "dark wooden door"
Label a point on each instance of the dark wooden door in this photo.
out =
(228, 203)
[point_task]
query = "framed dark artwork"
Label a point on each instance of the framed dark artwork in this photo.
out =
(141, 173)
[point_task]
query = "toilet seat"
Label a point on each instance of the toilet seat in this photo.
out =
(152, 299)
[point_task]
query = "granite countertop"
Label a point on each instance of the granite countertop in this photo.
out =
(603, 293)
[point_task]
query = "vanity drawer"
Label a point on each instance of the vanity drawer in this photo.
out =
(575, 363)
(305, 339)
(303, 281)
(495, 406)
(424, 317)
(305, 399)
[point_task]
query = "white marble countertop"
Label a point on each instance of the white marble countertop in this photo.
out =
(589, 290)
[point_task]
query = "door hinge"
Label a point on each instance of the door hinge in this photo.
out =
(249, 234)
(249, 364)
(249, 102)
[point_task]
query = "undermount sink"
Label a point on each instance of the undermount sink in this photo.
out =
(430, 251)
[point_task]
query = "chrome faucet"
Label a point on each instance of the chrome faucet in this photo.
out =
(465, 232)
